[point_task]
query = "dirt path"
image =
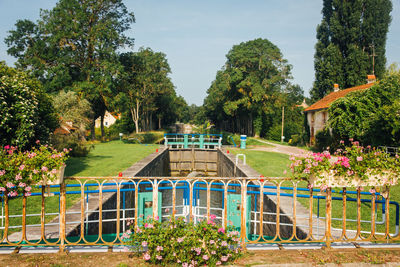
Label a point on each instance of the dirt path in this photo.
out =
(290, 150)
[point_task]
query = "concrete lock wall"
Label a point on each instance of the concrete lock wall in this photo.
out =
(180, 162)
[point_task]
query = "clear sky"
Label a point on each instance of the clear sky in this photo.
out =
(196, 35)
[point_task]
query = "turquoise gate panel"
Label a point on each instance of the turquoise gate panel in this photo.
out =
(145, 205)
(233, 205)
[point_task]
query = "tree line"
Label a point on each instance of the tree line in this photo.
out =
(76, 47)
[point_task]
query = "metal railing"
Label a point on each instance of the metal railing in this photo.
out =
(267, 210)
(202, 141)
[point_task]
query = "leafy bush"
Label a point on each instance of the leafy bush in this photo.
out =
(176, 241)
(295, 140)
(79, 147)
(274, 133)
(26, 111)
(146, 137)
(323, 140)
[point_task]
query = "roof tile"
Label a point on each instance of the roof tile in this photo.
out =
(329, 99)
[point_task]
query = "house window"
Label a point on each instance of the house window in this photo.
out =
(106, 123)
(324, 117)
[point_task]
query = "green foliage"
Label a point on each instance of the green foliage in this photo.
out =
(26, 112)
(79, 148)
(74, 46)
(349, 34)
(145, 138)
(145, 90)
(323, 140)
(176, 241)
(371, 116)
(249, 91)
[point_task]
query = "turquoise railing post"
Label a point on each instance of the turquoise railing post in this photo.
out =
(185, 141)
(201, 141)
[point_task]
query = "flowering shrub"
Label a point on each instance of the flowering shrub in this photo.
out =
(20, 170)
(355, 165)
(186, 244)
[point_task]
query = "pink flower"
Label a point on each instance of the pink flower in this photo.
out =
(53, 171)
(180, 239)
(205, 257)
(212, 242)
(125, 249)
(146, 256)
(35, 171)
(12, 194)
(10, 185)
(156, 218)
(2, 189)
(323, 187)
(351, 139)
(185, 264)
(372, 191)
(218, 263)
(284, 172)
(44, 169)
(221, 230)
(224, 244)
(2, 172)
(21, 184)
(167, 210)
(359, 158)
(144, 244)
(28, 188)
(22, 167)
(159, 248)
(213, 252)
(212, 217)
(159, 257)
(27, 194)
(18, 177)
(37, 141)
(341, 141)
(224, 258)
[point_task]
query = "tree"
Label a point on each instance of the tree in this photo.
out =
(351, 43)
(144, 86)
(73, 46)
(247, 91)
(26, 111)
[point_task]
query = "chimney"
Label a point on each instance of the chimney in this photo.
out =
(336, 87)
(371, 79)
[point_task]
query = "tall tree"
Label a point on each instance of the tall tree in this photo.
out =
(144, 86)
(248, 87)
(73, 46)
(351, 43)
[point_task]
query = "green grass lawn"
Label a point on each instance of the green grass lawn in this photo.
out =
(106, 159)
(269, 164)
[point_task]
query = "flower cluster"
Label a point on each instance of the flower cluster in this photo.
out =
(355, 165)
(186, 244)
(19, 170)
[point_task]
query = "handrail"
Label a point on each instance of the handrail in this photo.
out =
(271, 189)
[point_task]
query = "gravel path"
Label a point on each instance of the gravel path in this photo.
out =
(290, 150)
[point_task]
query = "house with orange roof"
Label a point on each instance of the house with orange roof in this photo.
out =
(317, 113)
(109, 119)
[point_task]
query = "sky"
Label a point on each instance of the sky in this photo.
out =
(196, 35)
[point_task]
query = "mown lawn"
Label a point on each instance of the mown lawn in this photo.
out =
(106, 159)
(269, 164)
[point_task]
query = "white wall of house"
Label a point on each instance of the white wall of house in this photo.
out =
(317, 121)
(108, 120)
